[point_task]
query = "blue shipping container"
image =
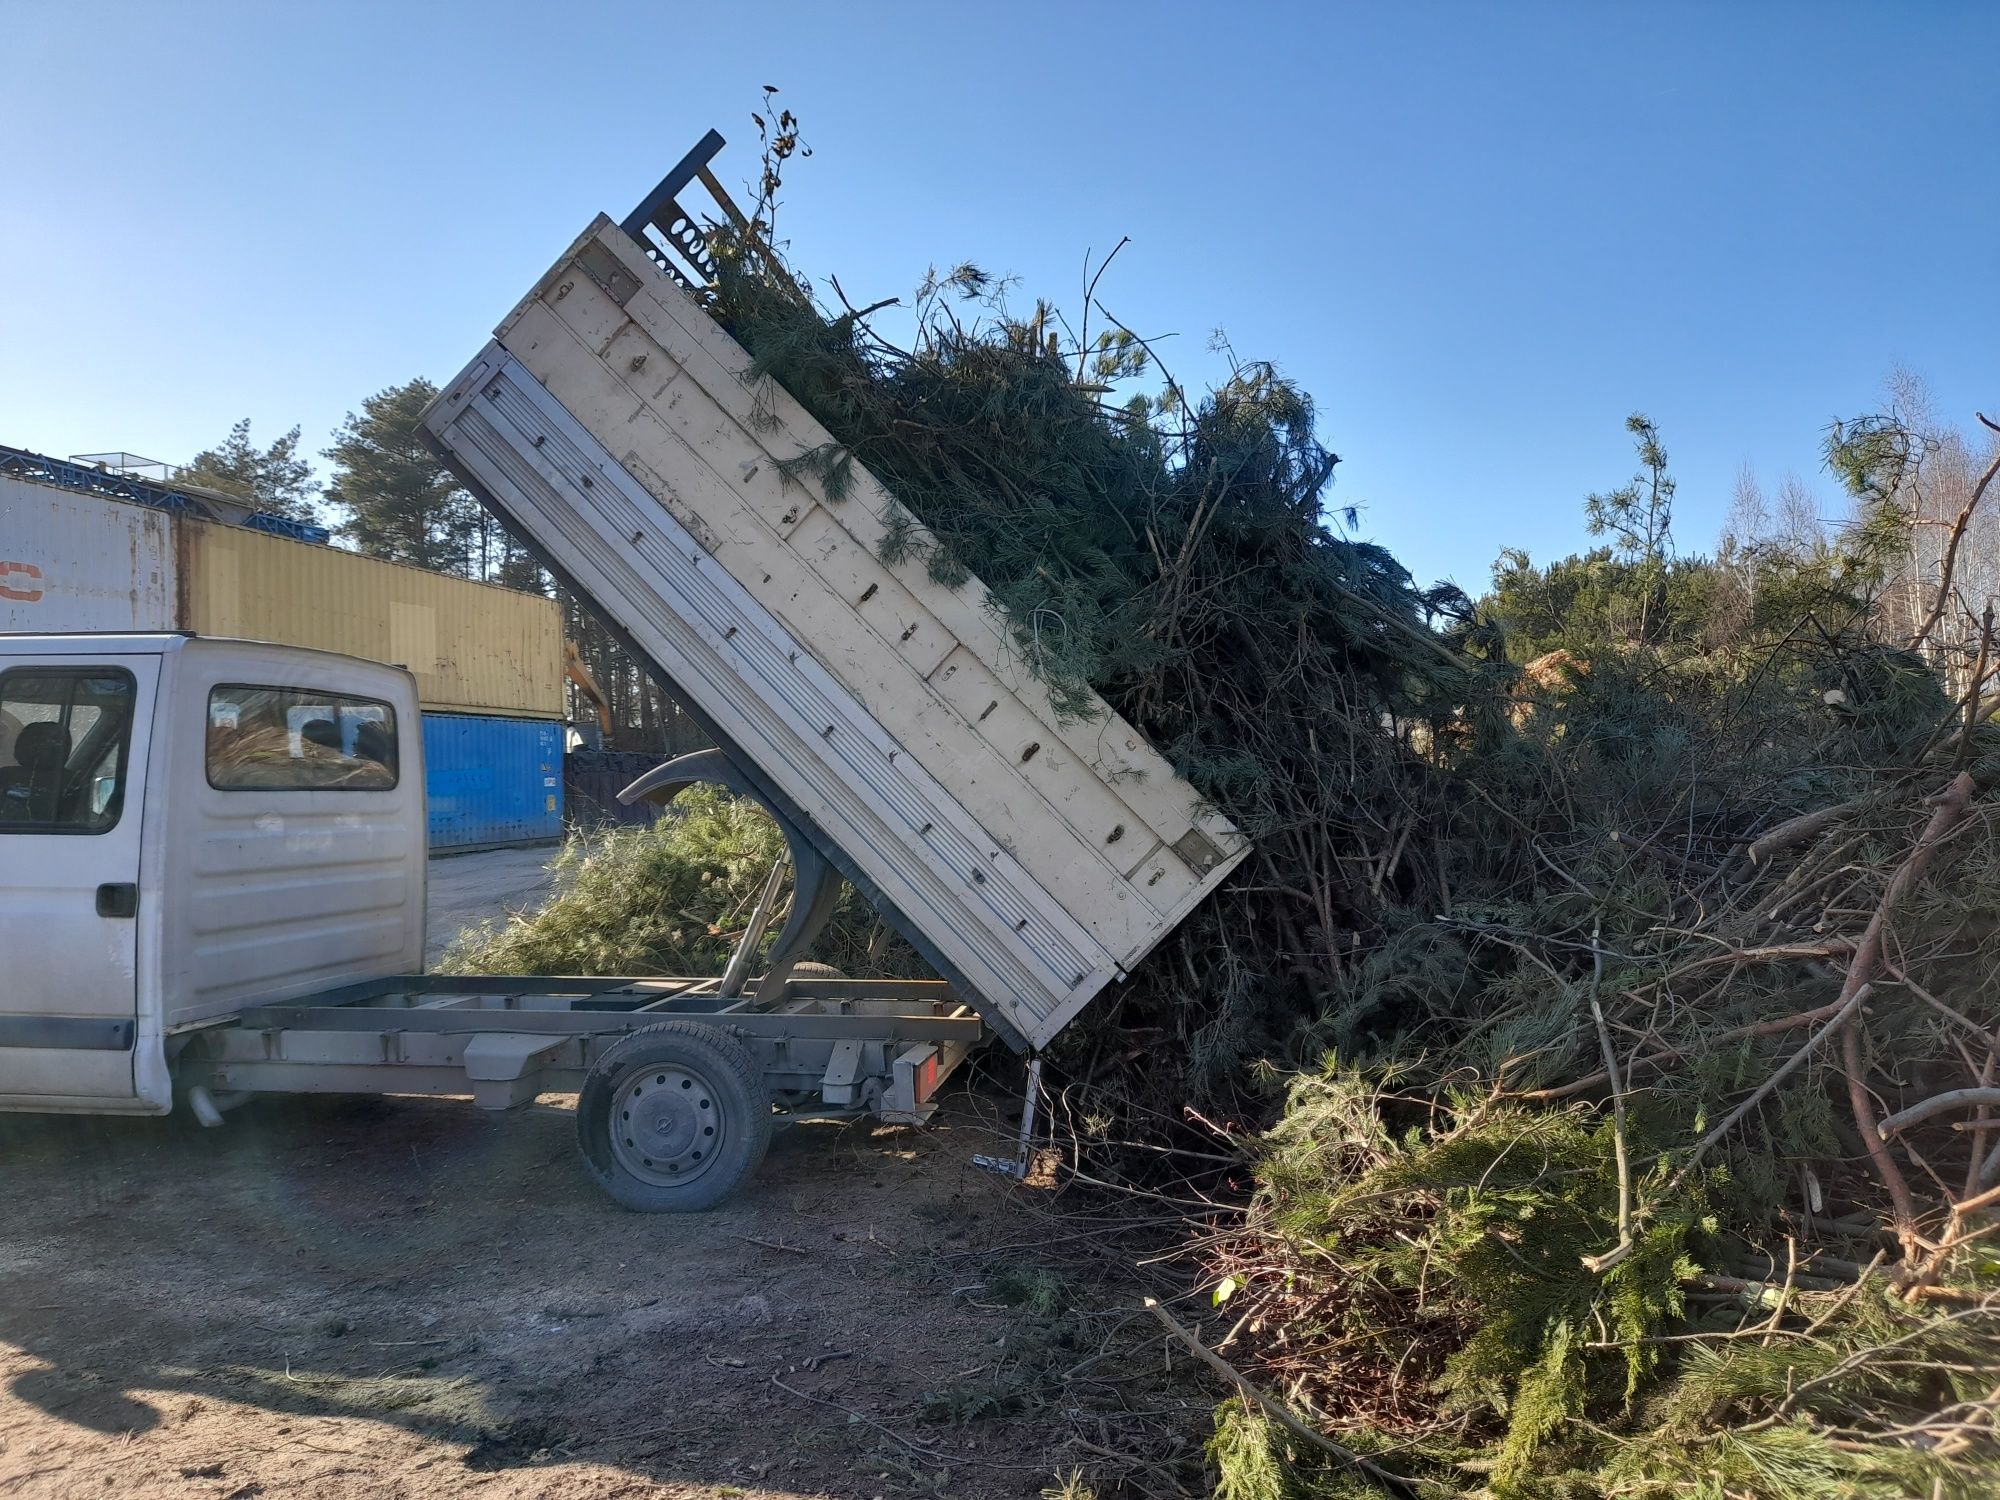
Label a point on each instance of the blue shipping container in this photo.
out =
(492, 781)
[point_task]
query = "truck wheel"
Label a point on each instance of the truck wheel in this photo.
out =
(673, 1118)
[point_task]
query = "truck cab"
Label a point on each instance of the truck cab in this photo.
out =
(190, 825)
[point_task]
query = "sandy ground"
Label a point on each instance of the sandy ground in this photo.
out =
(469, 888)
(402, 1297)
(407, 1297)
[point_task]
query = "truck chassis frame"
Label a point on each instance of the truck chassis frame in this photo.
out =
(679, 1081)
(827, 1048)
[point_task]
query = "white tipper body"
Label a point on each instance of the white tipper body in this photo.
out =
(1034, 858)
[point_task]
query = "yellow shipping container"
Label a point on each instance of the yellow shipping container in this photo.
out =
(474, 647)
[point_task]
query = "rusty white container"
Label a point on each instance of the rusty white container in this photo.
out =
(70, 561)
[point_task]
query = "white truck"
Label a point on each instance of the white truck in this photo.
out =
(217, 871)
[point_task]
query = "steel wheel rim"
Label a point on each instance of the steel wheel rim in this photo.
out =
(666, 1124)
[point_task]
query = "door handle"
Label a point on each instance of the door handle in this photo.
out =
(118, 899)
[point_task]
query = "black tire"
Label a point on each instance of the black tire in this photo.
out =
(673, 1118)
(810, 969)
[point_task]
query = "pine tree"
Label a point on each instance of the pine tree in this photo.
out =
(1639, 517)
(401, 503)
(273, 479)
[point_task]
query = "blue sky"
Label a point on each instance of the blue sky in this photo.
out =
(1480, 235)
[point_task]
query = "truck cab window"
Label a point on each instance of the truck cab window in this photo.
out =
(64, 733)
(298, 739)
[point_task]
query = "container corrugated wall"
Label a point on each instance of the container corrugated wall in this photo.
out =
(492, 780)
(472, 647)
(81, 562)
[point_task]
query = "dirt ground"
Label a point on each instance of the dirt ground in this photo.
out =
(401, 1297)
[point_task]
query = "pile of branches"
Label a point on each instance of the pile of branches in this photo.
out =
(671, 897)
(1648, 1134)
(1666, 1157)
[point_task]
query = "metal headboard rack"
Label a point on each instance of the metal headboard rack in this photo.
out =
(674, 236)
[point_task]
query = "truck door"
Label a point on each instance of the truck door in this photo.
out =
(73, 742)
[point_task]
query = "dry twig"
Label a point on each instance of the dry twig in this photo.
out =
(1276, 1409)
